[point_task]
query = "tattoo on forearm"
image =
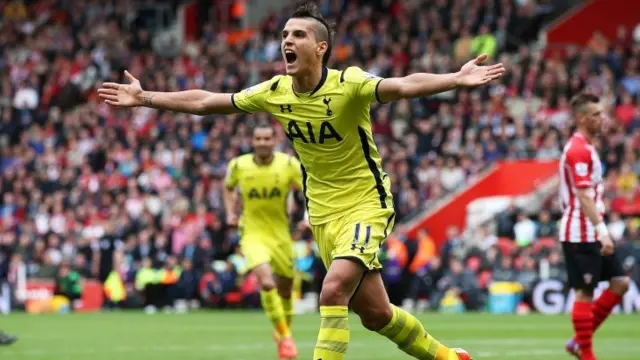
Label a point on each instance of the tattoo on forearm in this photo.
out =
(146, 99)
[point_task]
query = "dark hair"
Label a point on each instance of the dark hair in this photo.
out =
(580, 100)
(264, 125)
(326, 31)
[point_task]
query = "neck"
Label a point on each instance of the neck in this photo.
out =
(306, 82)
(263, 160)
(586, 134)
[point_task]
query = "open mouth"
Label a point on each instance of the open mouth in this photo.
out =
(290, 56)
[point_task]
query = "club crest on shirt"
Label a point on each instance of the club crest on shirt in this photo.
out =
(587, 278)
(582, 169)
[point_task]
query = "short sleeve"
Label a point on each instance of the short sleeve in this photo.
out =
(362, 85)
(231, 180)
(253, 99)
(578, 161)
(295, 172)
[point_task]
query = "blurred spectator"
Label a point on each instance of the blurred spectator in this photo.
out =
(424, 283)
(504, 270)
(524, 230)
(452, 247)
(556, 266)
(617, 227)
(462, 282)
(188, 282)
(68, 284)
(528, 276)
(546, 228)
(506, 221)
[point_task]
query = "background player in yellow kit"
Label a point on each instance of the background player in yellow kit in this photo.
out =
(264, 179)
(326, 116)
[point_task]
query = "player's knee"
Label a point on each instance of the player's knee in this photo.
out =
(620, 286)
(266, 283)
(284, 291)
(584, 295)
(375, 318)
(333, 292)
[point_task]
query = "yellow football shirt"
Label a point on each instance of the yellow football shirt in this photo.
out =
(264, 190)
(330, 129)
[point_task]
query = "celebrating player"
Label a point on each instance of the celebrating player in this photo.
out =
(588, 249)
(264, 178)
(325, 114)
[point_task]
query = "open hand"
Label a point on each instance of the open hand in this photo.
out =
(123, 95)
(473, 73)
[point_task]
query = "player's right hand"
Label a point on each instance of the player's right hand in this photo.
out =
(124, 95)
(607, 245)
(232, 220)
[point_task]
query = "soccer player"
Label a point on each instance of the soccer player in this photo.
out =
(6, 339)
(265, 178)
(325, 114)
(589, 252)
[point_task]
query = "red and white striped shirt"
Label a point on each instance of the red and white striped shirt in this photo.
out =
(580, 168)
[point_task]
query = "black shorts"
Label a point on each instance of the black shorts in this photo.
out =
(586, 267)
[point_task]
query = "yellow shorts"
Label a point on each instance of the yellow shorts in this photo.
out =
(277, 254)
(356, 235)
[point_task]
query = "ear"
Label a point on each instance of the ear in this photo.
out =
(323, 46)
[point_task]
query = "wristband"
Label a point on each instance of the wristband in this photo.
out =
(602, 229)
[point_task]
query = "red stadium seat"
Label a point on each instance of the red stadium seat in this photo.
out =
(233, 298)
(506, 246)
(545, 243)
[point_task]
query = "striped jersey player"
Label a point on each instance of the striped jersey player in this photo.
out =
(581, 169)
(589, 253)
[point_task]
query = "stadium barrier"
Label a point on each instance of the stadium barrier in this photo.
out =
(40, 296)
(551, 298)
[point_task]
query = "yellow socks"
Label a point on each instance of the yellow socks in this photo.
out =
(272, 306)
(333, 338)
(411, 337)
(287, 306)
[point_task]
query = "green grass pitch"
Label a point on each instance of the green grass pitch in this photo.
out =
(247, 336)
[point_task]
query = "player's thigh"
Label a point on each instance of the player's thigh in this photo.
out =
(342, 279)
(255, 252)
(612, 267)
(282, 259)
(584, 265)
(324, 238)
(361, 234)
(371, 302)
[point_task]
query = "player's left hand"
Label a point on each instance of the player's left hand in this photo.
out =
(474, 74)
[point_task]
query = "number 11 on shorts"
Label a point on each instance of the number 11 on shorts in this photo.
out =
(356, 237)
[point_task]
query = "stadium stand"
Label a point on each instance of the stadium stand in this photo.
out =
(132, 199)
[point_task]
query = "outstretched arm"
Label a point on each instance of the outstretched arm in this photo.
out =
(199, 102)
(423, 84)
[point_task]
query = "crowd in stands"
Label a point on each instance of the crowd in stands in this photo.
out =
(107, 192)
